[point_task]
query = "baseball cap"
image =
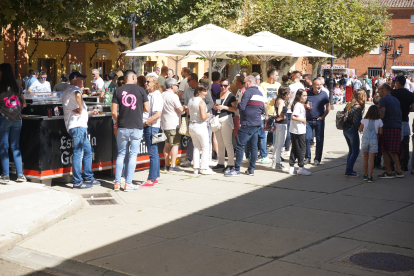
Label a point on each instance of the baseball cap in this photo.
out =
(75, 75)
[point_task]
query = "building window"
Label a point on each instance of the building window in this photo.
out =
(104, 66)
(411, 48)
(226, 71)
(149, 66)
(376, 51)
(412, 19)
(193, 67)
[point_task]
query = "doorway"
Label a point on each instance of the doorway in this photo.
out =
(104, 67)
(49, 66)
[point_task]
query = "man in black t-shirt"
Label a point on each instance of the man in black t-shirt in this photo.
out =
(406, 99)
(132, 101)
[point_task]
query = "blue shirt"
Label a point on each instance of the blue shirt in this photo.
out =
(30, 80)
(318, 104)
(392, 117)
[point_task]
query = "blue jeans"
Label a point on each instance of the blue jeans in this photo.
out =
(10, 131)
(125, 135)
(246, 135)
(287, 141)
(81, 150)
(335, 98)
(262, 141)
(154, 170)
(352, 139)
(319, 127)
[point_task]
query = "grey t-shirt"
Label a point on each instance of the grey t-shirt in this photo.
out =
(189, 93)
(392, 118)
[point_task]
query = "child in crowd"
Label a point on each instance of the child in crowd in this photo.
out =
(378, 156)
(371, 126)
(298, 133)
(337, 97)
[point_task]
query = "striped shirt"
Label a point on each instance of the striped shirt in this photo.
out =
(251, 107)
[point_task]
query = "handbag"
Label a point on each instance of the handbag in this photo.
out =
(342, 121)
(158, 137)
(184, 127)
(215, 123)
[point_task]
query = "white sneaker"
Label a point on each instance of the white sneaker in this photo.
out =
(207, 172)
(274, 164)
(303, 171)
(265, 160)
(286, 153)
(196, 171)
(292, 171)
(130, 187)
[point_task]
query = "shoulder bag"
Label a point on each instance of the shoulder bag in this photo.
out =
(215, 123)
(157, 137)
(343, 121)
(184, 127)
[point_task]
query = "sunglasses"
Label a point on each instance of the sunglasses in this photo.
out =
(147, 82)
(224, 85)
(188, 80)
(43, 78)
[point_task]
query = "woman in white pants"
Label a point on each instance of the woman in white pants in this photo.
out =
(226, 105)
(283, 96)
(198, 130)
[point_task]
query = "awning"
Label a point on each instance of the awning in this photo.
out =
(402, 68)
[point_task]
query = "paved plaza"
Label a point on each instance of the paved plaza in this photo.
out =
(269, 224)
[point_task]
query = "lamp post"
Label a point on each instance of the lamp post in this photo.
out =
(132, 19)
(387, 46)
(331, 79)
(397, 53)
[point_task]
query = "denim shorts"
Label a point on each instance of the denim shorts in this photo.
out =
(369, 147)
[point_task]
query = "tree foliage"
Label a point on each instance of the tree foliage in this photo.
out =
(102, 19)
(355, 26)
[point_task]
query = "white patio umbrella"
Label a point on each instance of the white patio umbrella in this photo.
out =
(208, 41)
(270, 40)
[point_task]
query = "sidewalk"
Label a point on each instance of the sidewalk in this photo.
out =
(268, 224)
(28, 208)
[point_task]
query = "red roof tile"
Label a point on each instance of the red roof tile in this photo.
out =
(397, 3)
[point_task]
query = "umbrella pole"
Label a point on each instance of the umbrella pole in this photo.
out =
(176, 65)
(210, 68)
(264, 70)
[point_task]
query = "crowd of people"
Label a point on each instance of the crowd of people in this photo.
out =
(223, 119)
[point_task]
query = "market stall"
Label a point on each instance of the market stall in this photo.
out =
(46, 146)
(405, 68)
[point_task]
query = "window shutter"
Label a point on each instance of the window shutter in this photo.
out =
(376, 51)
(411, 50)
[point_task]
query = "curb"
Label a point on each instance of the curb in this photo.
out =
(50, 219)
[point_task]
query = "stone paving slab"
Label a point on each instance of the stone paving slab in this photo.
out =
(405, 214)
(27, 208)
(261, 240)
(284, 268)
(162, 223)
(353, 205)
(334, 254)
(180, 258)
(388, 189)
(384, 231)
(311, 220)
(87, 241)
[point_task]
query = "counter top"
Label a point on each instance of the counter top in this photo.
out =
(37, 117)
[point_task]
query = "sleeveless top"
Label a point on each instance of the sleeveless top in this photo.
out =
(194, 110)
(284, 111)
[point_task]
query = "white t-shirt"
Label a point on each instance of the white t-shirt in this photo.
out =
(294, 87)
(295, 126)
(97, 84)
(326, 90)
(183, 85)
(38, 86)
(170, 118)
(378, 124)
(156, 104)
(407, 84)
(69, 104)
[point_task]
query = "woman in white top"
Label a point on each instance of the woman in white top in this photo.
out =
(152, 124)
(198, 130)
(225, 111)
(298, 133)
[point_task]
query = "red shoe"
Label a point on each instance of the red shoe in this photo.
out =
(155, 182)
(146, 184)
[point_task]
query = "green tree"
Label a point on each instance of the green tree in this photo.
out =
(101, 19)
(355, 26)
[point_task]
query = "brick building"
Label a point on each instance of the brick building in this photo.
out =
(402, 30)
